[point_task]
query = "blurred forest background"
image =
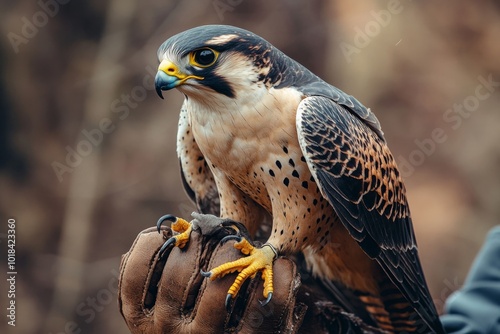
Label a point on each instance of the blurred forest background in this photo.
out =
(70, 68)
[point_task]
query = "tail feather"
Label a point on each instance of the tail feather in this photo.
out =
(402, 314)
(376, 308)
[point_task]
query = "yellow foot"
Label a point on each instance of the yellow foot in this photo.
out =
(180, 226)
(259, 259)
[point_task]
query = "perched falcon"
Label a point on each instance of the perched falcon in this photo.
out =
(259, 133)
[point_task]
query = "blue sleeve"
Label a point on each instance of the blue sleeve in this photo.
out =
(476, 307)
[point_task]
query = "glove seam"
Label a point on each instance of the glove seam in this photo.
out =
(123, 272)
(151, 266)
(289, 300)
(203, 287)
(188, 318)
(120, 280)
(248, 304)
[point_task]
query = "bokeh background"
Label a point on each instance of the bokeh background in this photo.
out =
(89, 64)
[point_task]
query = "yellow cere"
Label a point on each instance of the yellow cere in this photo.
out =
(171, 69)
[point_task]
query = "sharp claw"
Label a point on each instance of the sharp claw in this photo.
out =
(166, 245)
(171, 218)
(228, 302)
(205, 273)
(265, 302)
(230, 237)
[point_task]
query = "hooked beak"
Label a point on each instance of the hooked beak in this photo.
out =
(169, 76)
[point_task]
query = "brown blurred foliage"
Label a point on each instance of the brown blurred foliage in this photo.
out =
(87, 66)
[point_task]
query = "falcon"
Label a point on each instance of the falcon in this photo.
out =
(260, 134)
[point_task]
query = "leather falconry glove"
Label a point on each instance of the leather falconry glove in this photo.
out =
(168, 294)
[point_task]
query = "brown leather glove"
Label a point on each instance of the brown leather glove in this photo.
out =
(169, 295)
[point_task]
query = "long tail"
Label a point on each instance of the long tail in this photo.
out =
(392, 311)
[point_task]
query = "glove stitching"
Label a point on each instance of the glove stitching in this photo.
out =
(289, 301)
(250, 301)
(152, 264)
(124, 264)
(120, 280)
(123, 271)
(188, 318)
(203, 286)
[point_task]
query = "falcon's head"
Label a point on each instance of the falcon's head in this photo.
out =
(217, 59)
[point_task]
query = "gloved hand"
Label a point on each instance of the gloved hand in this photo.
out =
(475, 308)
(169, 295)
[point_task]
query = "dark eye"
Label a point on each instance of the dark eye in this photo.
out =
(203, 57)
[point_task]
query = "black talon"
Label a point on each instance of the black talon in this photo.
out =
(171, 218)
(265, 302)
(230, 237)
(205, 273)
(228, 302)
(167, 243)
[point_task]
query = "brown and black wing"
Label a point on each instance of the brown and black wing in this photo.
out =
(197, 177)
(357, 173)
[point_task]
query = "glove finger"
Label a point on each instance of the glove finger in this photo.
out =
(278, 315)
(136, 271)
(179, 286)
(210, 312)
